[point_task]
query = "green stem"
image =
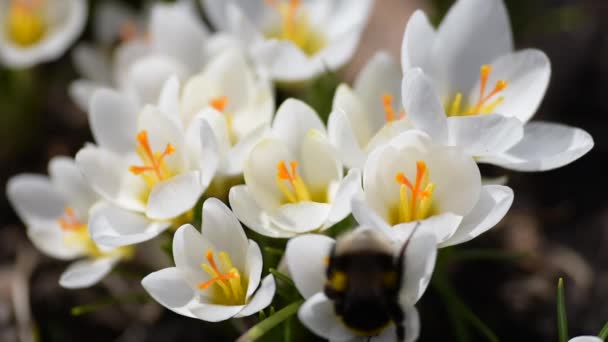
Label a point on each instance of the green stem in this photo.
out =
(269, 323)
(281, 276)
(88, 308)
(562, 319)
(604, 332)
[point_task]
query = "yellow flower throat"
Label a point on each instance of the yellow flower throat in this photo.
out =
(291, 184)
(295, 27)
(230, 288)
(416, 199)
(154, 169)
(483, 105)
(25, 23)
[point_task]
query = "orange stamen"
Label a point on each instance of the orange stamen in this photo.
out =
(128, 31)
(289, 16)
(220, 103)
(416, 188)
(389, 112)
(483, 98)
(284, 174)
(154, 160)
(69, 221)
(221, 277)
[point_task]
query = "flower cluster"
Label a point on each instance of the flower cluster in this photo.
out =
(184, 122)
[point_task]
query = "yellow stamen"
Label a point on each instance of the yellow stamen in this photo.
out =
(483, 98)
(153, 162)
(484, 104)
(455, 107)
(25, 22)
(389, 113)
(292, 186)
(415, 204)
(295, 26)
(69, 221)
(229, 281)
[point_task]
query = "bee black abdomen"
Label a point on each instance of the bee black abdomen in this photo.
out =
(365, 316)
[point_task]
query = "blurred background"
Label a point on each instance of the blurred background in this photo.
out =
(558, 225)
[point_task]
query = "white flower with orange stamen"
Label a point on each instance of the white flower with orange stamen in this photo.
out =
(293, 40)
(368, 114)
(171, 42)
(37, 31)
(478, 93)
(294, 181)
(150, 167)
(415, 179)
(55, 210)
(217, 273)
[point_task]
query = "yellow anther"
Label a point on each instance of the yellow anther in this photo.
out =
(154, 162)
(415, 199)
(25, 22)
(229, 280)
(295, 26)
(290, 183)
(482, 106)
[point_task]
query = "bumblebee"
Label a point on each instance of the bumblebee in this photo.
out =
(364, 277)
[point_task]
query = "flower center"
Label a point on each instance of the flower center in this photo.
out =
(129, 32)
(69, 221)
(415, 199)
(230, 287)
(155, 168)
(220, 103)
(295, 27)
(291, 184)
(389, 112)
(25, 23)
(484, 104)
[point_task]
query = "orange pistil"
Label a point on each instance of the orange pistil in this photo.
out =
(416, 188)
(220, 103)
(417, 204)
(219, 277)
(483, 98)
(296, 191)
(69, 221)
(153, 161)
(284, 174)
(389, 112)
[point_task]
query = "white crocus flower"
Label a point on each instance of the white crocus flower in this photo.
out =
(413, 178)
(37, 31)
(294, 180)
(149, 167)
(474, 72)
(294, 40)
(369, 114)
(216, 271)
(171, 43)
(55, 210)
(586, 339)
(236, 103)
(306, 258)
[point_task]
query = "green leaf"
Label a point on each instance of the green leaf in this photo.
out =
(138, 297)
(604, 332)
(562, 320)
(282, 277)
(260, 329)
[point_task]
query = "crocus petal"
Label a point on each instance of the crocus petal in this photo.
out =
(293, 121)
(112, 226)
(167, 287)
(238, 154)
(411, 325)
(174, 196)
(51, 241)
(494, 202)
(253, 268)
(585, 339)
(545, 146)
(527, 73)
(418, 43)
(319, 165)
(305, 256)
(473, 33)
(145, 78)
(35, 199)
(481, 135)
(85, 273)
(215, 313)
(81, 92)
(261, 299)
(341, 135)
(420, 257)
(366, 216)
(318, 315)
(441, 226)
(189, 251)
(349, 188)
(67, 179)
(224, 231)
(209, 158)
(422, 104)
(113, 120)
(260, 172)
(254, 217)
(301, 217)
(168, 101)
(286, 62)
(91, 63)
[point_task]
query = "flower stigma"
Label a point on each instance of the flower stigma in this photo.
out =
(25, 22)
(389, 112)
(155, 168)
(220, 103)
(230, 287)
(483, 105)
(295, 26)
(415, 199)
(291, 184)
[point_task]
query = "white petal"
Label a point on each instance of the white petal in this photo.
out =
(585, 339)
(341, 135)
(349, 188)
(260, 172)
(473, 33)
(420, 257)
(254, 217)
(215, 313)
(112, 226)
(189, 251)
(107, 20)
(209, 157)
(91, 63)
(301, 217)
(484, 134)
(318, 315)
(253, 269)
(224, 231)
(81, 92)
(411, 325)
(286, 62)
(113, 120)
(418, 43)
(442, 226)
(494, 202)
(85, 273)
(67, 178)
(145, 78)
(261, 299)
(422, 105)
(174, 196)
(35, 199)
(545, 146)
(305, 256)
(50, 240)
(168, 288)
(239, 153)
(527, 73)
(168, 101)
(319, 165)
(293, 121)
(366, 216)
